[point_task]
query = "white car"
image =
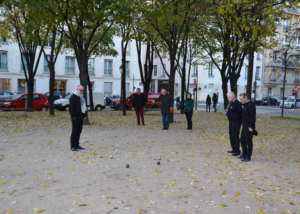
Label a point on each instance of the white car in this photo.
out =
(285, 99)
(98, 99)
(290, 103)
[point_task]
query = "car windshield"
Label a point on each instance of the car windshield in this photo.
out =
(265, 98)
(16, 96)
(128, 94)
(68, 96)
(291, 100)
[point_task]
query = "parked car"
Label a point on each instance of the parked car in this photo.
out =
(115, 104)
(109, 98)
(285, 99)
(63, 104)
(257, 101)
(290, 103)
(270, 101)
(40, 102)
(6, 94)
(57, 95)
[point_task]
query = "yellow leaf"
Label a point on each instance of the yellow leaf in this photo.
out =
(237, 193)
(171, 184)
(46, 186)
(49, 173)
(90, 178)
(144, 198)
(82, 205)
(259, 200)
(39, 210)
(157, 171)
(3, 182)
(277, 199)
(14, 195)
(165, 193)
(185, 196)
(122, 192)
(16, 175)
(234, 200)
(37, 178)
(10, 211)
(2, 192)
(261, 212)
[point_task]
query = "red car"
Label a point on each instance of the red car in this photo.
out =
(40, 102)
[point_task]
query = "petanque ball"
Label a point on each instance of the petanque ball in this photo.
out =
(111, 157)
(127, 165)
(100, 156)
(158, 163)
(5, 141)
(159, 158)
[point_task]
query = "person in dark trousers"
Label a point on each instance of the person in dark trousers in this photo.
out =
(234, 113)
(77, 110)
(138, 105)
(208, 102)
(215, 100)
(188, 110)
(248, 121)
(166, 105)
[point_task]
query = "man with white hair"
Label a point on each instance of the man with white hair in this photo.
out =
(234, 113)
(77, 110)
(166, 106)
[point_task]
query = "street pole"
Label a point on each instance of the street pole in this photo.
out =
(133, 83)
(197, 90)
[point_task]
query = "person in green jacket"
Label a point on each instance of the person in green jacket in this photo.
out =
(188, 110)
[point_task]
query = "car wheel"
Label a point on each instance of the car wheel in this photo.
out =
(12, 108)
(98, 108)
(44, 108)
(292, 106)
(154, 107)
(67, 108)
(127, 107)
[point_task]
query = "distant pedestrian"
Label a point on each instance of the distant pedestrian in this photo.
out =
(166, 106)
(215, 100)
(188, 110)
(248, 130)
(138, 105)
(234, 113)
(208, 102)
(77, 110)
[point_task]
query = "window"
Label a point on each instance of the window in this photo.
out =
(107, 67)
(37, 97)
(272, 77)
(275, 55)
(46, 68)
(155, 54)
(164, 54)
(3, 60)
(91, 69)
(107, 88)
(127, 66)
(210, 70)
(3, 40)
(25, 64)
(127, 87)
(154, 70)
(285, 40)
(163, 72)
(270, 92)
(246, 72)
(49, 41)
(258, 56)
(70, 65)
(176, 90)
(282, 76)
(287, 25)
(5, 84)
(22, 86)
(296, 75)
(128, 48)
(298, 42)
(195, 70)
(257, 73)
(277, 38)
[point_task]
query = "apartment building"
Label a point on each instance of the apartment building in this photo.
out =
(274, 62)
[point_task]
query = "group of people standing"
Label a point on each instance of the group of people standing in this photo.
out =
(239, 113)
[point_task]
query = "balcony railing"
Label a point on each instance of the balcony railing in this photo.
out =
(272, 80)
(287, 27)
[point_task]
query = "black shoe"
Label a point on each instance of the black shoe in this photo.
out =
(230, 151)
(79, 147)
(74, 149)
(246, 159)
(167, 128)
(241, 157)
(163, 128)
(236, 154)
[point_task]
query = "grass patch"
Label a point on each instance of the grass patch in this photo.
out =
(96, 124)
(286, 118)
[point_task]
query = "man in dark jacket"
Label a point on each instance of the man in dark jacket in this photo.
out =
(208, 102)
(77, 110)
(215, 100)
(234, 113)
(138, 105)
(248, 120)
(166, 105)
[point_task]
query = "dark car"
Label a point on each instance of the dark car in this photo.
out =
(57, 95)
(270, 101)
(257, 101)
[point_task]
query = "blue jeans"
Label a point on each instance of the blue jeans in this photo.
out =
(166, 120)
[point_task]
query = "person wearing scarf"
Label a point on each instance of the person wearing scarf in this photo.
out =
(77, 110)
(234, 113)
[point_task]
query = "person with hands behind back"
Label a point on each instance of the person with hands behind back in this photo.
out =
(188, 110)
(166, 107)
(138, 105)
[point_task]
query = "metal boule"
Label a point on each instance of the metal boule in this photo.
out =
(158, 163)
(127, 165)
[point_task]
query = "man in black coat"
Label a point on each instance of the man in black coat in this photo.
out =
(248, 121)
(166, 105)
(138, 105)
(215, 100)
(234, 113)
(77, 110)
(208, 102)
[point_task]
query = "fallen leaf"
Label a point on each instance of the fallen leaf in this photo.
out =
(222, 205)
(82, 205)
(3, 182)
(165, 193)
(39, 210)
(171, 184)
(157, 171)
(261, 212)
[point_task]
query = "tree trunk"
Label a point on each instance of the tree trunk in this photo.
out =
(51, 89)
(233, 85)
(83, 82)
(124, 79)
(225, 91)
(30, 85)
(250, 71)
(285, 65)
